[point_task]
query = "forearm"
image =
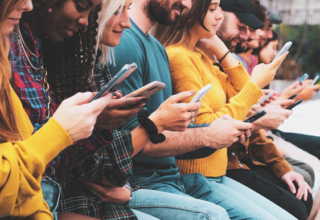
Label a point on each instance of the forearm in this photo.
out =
(176, 143)
(140, 138)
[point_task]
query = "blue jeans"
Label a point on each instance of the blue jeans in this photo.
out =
(192, 197)
(51, 193)
(143, 216)
(249, 197)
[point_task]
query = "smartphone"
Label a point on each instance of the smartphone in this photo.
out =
(116, 80)
(256, 116)
(304, 77)
(284, 49)
(199, 96)
(294, 104)
(292, 97)
(147, 90)
(265, 98)
(315, 80)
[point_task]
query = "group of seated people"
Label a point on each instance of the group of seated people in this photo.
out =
(66, 156)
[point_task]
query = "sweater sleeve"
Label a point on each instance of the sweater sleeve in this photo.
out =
(186, 75)
(22, 163)
(264, 150)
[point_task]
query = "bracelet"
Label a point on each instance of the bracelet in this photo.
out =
(150, 127)
(224, 56)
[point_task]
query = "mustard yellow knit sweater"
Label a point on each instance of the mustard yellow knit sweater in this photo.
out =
(232, 93)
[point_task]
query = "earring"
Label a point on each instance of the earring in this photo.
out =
(50, 10)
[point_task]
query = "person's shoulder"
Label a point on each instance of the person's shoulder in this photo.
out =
(179, 52)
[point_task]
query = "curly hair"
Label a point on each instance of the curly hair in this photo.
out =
(69, 65)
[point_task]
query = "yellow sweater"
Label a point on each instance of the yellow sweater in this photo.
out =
(232, 93)
(22, 164)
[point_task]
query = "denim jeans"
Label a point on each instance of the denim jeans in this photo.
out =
(249, 197)
(192, 197)
(142, 216)
(51, 193)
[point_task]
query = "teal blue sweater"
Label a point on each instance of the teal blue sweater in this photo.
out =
(153, 65)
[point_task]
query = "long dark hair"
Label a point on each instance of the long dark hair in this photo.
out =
(69, 65)
(178, 32)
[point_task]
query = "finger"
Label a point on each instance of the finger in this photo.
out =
(227, 117)
(190, 106)
(315, 87)
(291, 186)
(99, 104)
(242, 138)
(179, 97)
(242, 125)
(277, 63)
(305, 197)
(248, 133)
(127, 102)
(78, 99)
(300, 192)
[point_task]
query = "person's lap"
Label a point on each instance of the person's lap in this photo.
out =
(191, 187)
(249, 197)
(271, 191)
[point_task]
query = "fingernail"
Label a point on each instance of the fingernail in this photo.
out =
(192, 92)
(144, 99)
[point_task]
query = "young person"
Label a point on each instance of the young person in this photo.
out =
(65, 18)
(23, 157)
(232, 92)
(166, 180)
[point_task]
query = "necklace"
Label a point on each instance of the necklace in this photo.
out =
(44, 73)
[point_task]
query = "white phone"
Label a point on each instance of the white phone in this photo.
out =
(315, 80)
(266, 97)
(284, 49)
(201, 94)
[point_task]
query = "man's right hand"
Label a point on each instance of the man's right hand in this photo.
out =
(224, 131)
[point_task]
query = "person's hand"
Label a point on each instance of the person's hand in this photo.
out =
(273, 119)
(307, 90)
(78, 117)
(284, 103)
(108, 192)
(270, 99)
(263, 74)
(213, 44)
(175, 116)
(223, 132)
(303, 187)
(291, 90)
(119, 111)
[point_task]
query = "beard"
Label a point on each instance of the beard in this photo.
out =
(161, 12)
(227, 40)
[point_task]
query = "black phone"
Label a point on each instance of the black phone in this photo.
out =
(294, 104)
(256, 116)
(116, 80)
(292, 97)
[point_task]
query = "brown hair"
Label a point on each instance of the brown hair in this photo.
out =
(8, 126)
(259, 10)
(178, 32)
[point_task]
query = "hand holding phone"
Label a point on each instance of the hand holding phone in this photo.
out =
(284, 49)
(147, 90)
(116, 80)
(294, 104)
(292, 97)
(303, 78)
(199, 96)
(315, 80)
(256, 116)
(265, 98)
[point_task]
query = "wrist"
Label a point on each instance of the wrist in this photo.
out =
(153, 117)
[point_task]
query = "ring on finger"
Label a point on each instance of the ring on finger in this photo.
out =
(93, 191)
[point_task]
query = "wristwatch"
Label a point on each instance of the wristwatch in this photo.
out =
(128, 186)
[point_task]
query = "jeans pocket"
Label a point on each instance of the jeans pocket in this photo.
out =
(143, 180)
(51, 192)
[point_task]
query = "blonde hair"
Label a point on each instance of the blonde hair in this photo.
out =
(8, 126)
(109, 7)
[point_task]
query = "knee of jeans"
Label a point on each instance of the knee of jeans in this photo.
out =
(213, 211)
